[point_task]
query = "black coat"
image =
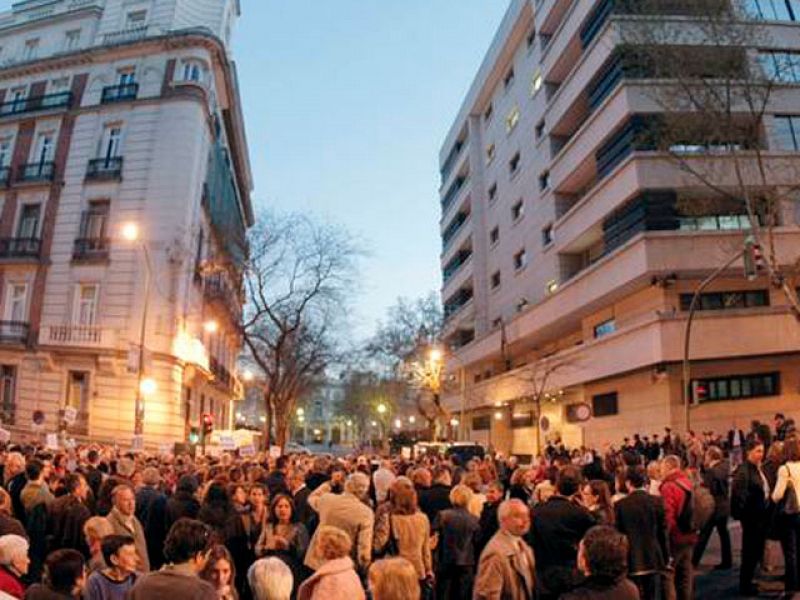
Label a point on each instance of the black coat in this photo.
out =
(434, 500)
(641, 517)
(717, 480)
(276, 484)
(67, 516)
(14, 488)
(557, 528)
(488, 524)
(151, 510)
(458, 531)
(181, 504)
(303, 513)
(314, 480)
(748, 500)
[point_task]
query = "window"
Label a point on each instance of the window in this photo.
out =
(547, 235)
(487, 113)
(192, 70)
(520, 260)
(28, 227)
(715, 223)
(497, 322)
(111, 142)
(540, 129)
(786, 132)
(513, 164)
(85, 310)
(544, 181)
(8, 391)
(773, 10)
(517, 210)
(512, 119)
(492, 193)
(136, 19)
(495, 280)
(126, 77)
(5, 151)
(736, 387)
(605, 405)
(95, 219)
(45, 148)
(727, 300)
(491, 151)
(17, 303)
(508, 80)
(530, 39)
(31, 49)
(781, 66)
(494, 235)
(72, 39)
(522, 420)
(605, 328)
(536, 82)
(482, 423)
(18, 98)
(77, 391)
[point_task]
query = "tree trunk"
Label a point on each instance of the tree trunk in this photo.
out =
(281, 429)
(268, 423)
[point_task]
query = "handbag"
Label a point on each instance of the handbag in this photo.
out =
(788, 506)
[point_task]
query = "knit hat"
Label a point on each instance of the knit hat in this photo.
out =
(11, 547)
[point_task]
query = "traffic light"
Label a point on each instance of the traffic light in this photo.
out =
(699, 391)
(208, 423)
(194, 435)
(753, 258)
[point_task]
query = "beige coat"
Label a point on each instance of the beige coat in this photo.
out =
(412, 535)
(118, 524)
(334, 579)
(501, 572)
(349, 514)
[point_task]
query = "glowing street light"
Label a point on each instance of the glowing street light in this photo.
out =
(211, 326)
(263, 419)
(130, 232)
(498, 416)
(412, 419)
(349, 423)
(381, 408)
(239, 416)
(454, 422)
(374, 423)
(301, 419)
(398, 423)
(435, 355)
(248, 375)
(300, 411)
(148, 386)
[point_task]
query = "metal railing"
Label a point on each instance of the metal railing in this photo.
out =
(20, 247)
(125, 35)
(218, 287)
(119, 93)
(109, 167)
(14, 332)
(34, 103)
(91, 248)
(40, 171)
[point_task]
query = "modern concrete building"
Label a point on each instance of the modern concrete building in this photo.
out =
(566, 252)
(124, 206)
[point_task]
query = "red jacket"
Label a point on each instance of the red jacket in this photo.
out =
(674, 497)
(10, 584)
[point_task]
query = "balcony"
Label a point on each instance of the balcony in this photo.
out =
(77, 336)
(452, 159)
(5, 176)
(14, 332)
(457, 301)
(453, 228)
(224, 207)
(453, 192)
(36, 103)
(221, 373)
(119, 93)
(104, 169)
(123, 36)
(20, 248)
(36, 172)
(91, 249)
(219, 289)
(455, 264)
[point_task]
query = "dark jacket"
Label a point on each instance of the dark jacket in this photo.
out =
(640, 516)
(94, 477)
(175, 583)
(11, 525)
(716, 479)
(67, 516)
(14, 488)
(42, 592)
(151, 510)
(276, 484)
(303, 512)
(557, 528)
(488, 524)
(181, 504)
(594, 589)
(458, 533)
(748, 501)
(434, 500)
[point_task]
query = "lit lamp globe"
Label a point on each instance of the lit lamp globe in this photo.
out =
(148, 386)
(435, 355)
(381, 409)
(130, 232)
(454, 422)
(398, 423)
(412, 419)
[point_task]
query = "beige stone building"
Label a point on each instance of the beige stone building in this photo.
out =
(123, 159)
(566, 252)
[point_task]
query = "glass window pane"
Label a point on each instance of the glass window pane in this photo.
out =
(736, 388)
(722, 389)
(783, 134)
(729, 222)
(707, 223)
(747, 390)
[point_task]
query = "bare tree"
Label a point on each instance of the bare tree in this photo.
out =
(713, 93)
(298, 280)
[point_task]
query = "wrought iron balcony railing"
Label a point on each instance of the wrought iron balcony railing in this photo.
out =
(14, 332)
(91, 248)
(106, 168)
(119, 93)
(34, 103)
(40, 171)
(20, 247)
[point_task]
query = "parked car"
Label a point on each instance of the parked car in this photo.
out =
(465, 451)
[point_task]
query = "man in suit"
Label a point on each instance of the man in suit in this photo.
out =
(558, 527)
(507, 567)
(749, 495)
(300, 493)
(641, 517)
(715, 478)
(437, 497)
(15, 480)
(348, 512)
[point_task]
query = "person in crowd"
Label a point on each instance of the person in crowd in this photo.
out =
(185, 552)
(596, 498)
(14, 564)
(94, 476)
(151, 510)
(276, 481)
(319, 473)
(14, 478)
(9, 523)
(518, 485)
(474, 482)
(507, 568)
(603, 559)
(773, 460)
(238, 495)
(789, 478)
(36, 498)
(123, 521)
(437, 497)
(116, 580)
(94, 531)
(488, 521)
(335, 576)
(220, 571)
(382, 479)
(676, 490)
(736, 444)
(457, 532)
(749, 496)
(716, 478)
(183, 503)
(283, 537)
(402, 530)
(300, 493)
(558, 527)
(218, 512)
(641, 516)
(256, 514)
(654, 472)
(393, 579)
(64, 577)
(348, 512)
(270, 579)
(781, 426)
(69, 513)
(545, 488)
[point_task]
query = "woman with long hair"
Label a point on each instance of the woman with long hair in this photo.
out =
(221, 573)
(283, 537)
(596, 498)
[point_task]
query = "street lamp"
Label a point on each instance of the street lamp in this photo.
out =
(398, 423)
(412, 419)
(248, 376)
(382, 408)
(301, 411)
(148, 386)
(211, 326)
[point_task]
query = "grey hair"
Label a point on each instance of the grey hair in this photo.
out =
(270, 579)
(12, 546)
(357, 484)
(507, 506)
(16, 457)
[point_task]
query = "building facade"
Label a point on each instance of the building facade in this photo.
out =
(568, 264)
(124, 206)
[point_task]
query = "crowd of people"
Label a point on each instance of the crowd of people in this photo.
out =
(630, 522)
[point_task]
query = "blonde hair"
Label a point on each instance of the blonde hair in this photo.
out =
(333, 543)
(394, 579)
(5, 502)
(96, 528)
(460, 496)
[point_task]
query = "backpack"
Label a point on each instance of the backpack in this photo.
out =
(697, 510)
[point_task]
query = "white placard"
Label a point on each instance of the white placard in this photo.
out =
(227, 442)
(165, 448)
(405, 453)
(51, 441)
(5, 436)
(247, 450)
(137, 443)
(70, 415)
(274, 451)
